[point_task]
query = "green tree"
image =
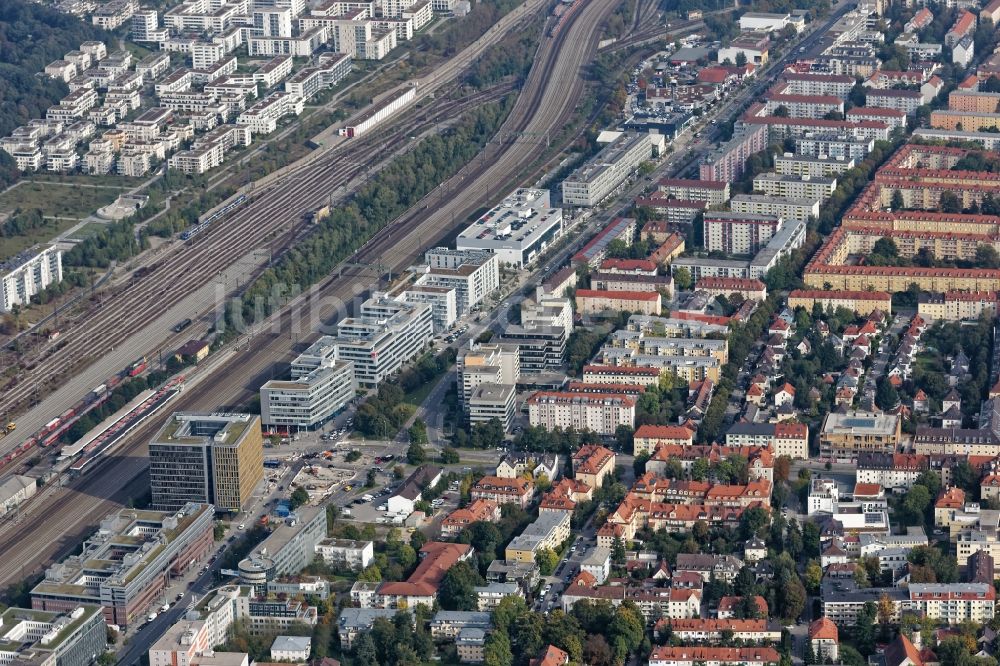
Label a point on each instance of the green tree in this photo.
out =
(547, 561)
(497, 650)
(370, 478)
(885, 247)
(949, 202)
(987, 257)
(299, 497)
(886, 396)
(457, 588)
(917, 501)
(418, 432)
(682, 279)
(813, 577)
(449, 456)
(416, 454)
(897, 200)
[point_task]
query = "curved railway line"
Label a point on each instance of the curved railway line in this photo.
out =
(548, 99)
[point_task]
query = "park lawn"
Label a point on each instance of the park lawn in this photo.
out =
(88, 230)
(58, 199)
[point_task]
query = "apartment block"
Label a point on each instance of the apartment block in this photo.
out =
(599, 413)
(27, 274)
(738, 232)
(503, 491)
(862, 303)
(593, 182)
(355, 555)
(795, 187)
(484, 363)
(549, 530)
(715, 193)
(792, 164)
(596, 302)
(788, 209)
(728, 162)
(845, 436)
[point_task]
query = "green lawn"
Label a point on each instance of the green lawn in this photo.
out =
(58, 199)
(88, 230)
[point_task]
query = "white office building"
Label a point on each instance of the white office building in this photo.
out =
(313, 394)
(473, 274)
(517, 229)
(385, 334)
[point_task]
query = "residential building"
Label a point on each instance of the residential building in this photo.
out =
(788, 209)
(666, 655)
(845, 436)
(291, 648)
(353, 622)
(478, 510)
(206, 458)
(125, 567)
(27, 274)
(787, 438)
(407, 495)
(485, 363)
(738, 233)
(592, 464)
(600, 413)
(862, 303)
(517, 230)
(594, 181)
(727, 163)
(595, 302)
(549, 530)
(503, 491)
(448, 624)
(489, 596)
(892, 471)
(795, 187)
(422, 585)
(593, 253)
(792, 164)
(648, 437)
(713, 192)
(347, 553)
(824, 639)
(493, 401)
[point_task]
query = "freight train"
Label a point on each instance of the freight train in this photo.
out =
(58, 426)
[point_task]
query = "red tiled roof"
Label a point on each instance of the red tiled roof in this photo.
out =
(823, 629)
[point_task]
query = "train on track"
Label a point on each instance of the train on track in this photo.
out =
(57, 427)
(206, 220)
(563, 12)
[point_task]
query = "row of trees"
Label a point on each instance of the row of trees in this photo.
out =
(390, 193)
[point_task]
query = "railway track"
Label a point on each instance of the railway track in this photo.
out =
(548, 99)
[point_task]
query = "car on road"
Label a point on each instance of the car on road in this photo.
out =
(242, 526)
(150, 617)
